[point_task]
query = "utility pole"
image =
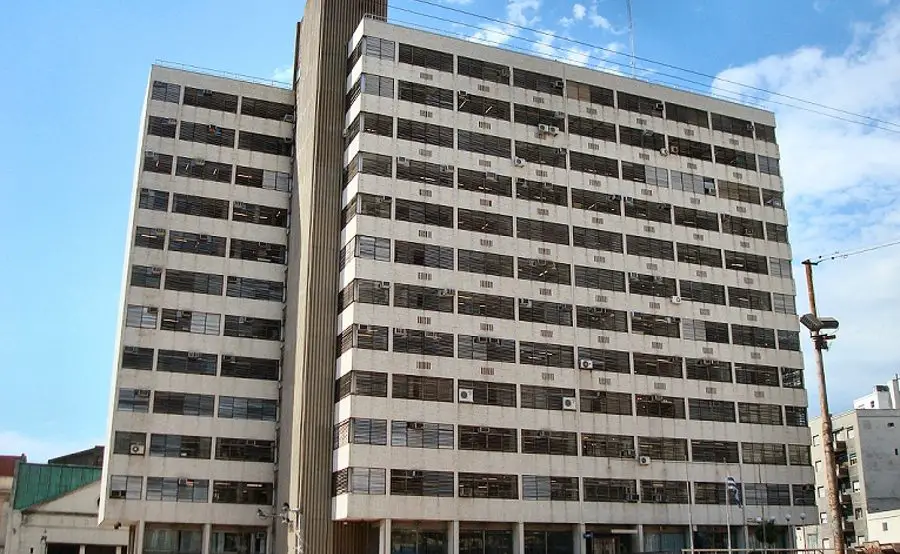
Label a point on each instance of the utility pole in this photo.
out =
(831, 488)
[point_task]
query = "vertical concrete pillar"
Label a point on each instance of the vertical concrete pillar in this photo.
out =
(270, 540)
(80, 549)
(384, 537)
(207, 538)
(453, 537)
(640, 538)
(519, 538)
(579, 540)
(138, 547)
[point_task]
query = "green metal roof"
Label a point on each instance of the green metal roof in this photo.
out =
(39, 483)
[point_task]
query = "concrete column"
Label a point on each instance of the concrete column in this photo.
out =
(453, 537)
(270, 540)
(139, 538)
(118, 550)
(580, 543)
(640, 538)
(207, 538)
(519, 538)
(80, 549)
(384, 537)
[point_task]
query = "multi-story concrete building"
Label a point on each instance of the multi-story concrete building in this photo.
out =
(867, 452)
(471, 301)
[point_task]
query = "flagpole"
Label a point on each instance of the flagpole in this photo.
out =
(728, 513)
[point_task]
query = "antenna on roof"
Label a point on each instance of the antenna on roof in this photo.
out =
(630, 33)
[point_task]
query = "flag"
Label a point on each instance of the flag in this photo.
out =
(733, 489)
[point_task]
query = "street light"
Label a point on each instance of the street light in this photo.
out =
(292, 518)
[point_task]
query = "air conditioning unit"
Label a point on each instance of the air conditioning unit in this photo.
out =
(184, 481)
(634, 275)
(481, 340)
(569, 403)
(150, 155)
(659, 106)
(204, 238)
(664, 151)
(431, 335)
(626, 453)
(142, 393)
(462, 94)
(553, 130)
(707, 361)
(230, 359)
(644, 460)
(400, 332)
(519, 162)
(676, 300)
(445, 293)
(240, 205)
(585, 364)
(289, 118)
(287, 140)
(494, 340)
(171, 121)
(673, 150)
(384, 285)
(156, 270)
(194, 355)
(466, 396)
(490, 177)
(364, 328)
(559, 84)
(544, 128)
(525, 303)
(484, 430)
(137, 449)
(403, 161)
(656, 397)
(132, 349)
(415, 425)
(447, 169)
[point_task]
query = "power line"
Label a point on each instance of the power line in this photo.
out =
(647, 60)
(727, 96)
(842, 255)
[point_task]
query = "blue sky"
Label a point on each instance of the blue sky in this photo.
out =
(75, 77)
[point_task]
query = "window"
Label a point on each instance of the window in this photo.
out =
(657, 365)
(135, 357)
(262, 178)
(707, 293)
(780, 268)
(700, 255)
(599, 202)
(425, 172)
(489, 145)
(482, 106)
(558, 443)
(180, 446)
(803, 495)
(367, 163)
(742, 261)
(141, 317)
(180, 361)
(604, 402)
(412, 482)
(126, 487)
(765, 132)
(544, 271)
(591, 128)
(418, 434)
(359, 480)
(369, 248)
(250, 368)
(788, 340)
(769, 165)
(145, 276)
(792, 377)
(795, 416)
(488, 349)
(425, 133)
(199, 206)
(739, 192)
(425, 213)
(543, 192)
(784, 303)
(255, 289)
(661, 448)
(202, 169)
(485, 263)
(742, 226)
(245, 450)
(614, 361)
(639, 104)
(598, 278)
(261, 215)
(255, 409)
(423, 57)
(423, 254)
(657, 405)
(642, 138)
(651, 248)
(153, 200)
(651, 285)
(607, 446)
(379, 48)
(192, 281)
(252, 327)
(754, 374)
(165, 92)
(485, 305)
(182, 403)
(711, 410)
(150, 238)
(134, 400)
(483, 182)
(368, 337)
(761, 414)
(483, 222)
(423, 343)
(735, 158)
(129, 443)
(194, 243)
(589, 93)
(357, 430)
(732, 125)
(546, 355)
(762, 494)
(206, 133)
(545, 231)
(365, 291)
(798, 455)
(747, 335)
(651, 211)
(693, 184)
(609, 490)
(539, 154)
(691, 149)
(665, 492)
(697, 219)
(776, 232)
(479, 69)
(155, 162)
(487, 393)
(256, 251)
(236, 492)
(539, 82)
(266, 109)
(655, 325)
(710, 493)
(544, 398)
(376, 85)
(183, 321)
(361, 383)
(551, 313)
(591, 317)
(763, 453)
(596, 165)
(213, 100)
(417, 387)
(488, 439)
(597, 239)
(537, 487)
(161, 126)
(705, 369)
(684, 114)
(533, 116)
(720, 452)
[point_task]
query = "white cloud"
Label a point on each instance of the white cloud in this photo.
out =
(566, 21)
(518, 12)
(283, 74)
(39, 449)
(579, 11)
(544, 44)
(597, 21)
(842, 182)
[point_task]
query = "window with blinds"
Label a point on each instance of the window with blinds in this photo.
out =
(703, 409)
(589, 93)
(488, 439)
(700, 255)
(706, 369)
(361, 383)
(425, 133)
(371, 205)
(685, 114)
(240, 407)
(594, 201)
(710, 493)
(763, 453)
(357, 430)
(545, 271)
(756, 374)
(655, 325)
(591, 128)
(551, 313)
(484, 222)
(601, 359)
(488, 485)
(607, 319)
(748, 335)
(697, 291)
(597, 239)
(420, 387)
(719, 452)
(690, 148)
(647, 247)
(767, 494)
(423, 343)
(706, 331)
(485, 263)
(425, 94)
(798, 455)
(181, 361)
(795, 416)
(540, 487)
(540, 154)
(665, 492)
(483, 106)
(596, 165)
(760, 414)
(425, 57)
(657, 365)
(488, 393)
(606, 402)
(641, 138)
(480, 143)
(792, 377)
(639, 173)
(693, 184)
(364, 291)
(489, 349)
(416, 482)
(544, 398)
(359, 480)
(657, 405)
(555, 443)
(546, 355)
(424, 298)
(534, 116)
(735, 158)
(544, 192)
(696, 219)
(599, 278)
(486, 182)
(182, 403)
(652, 285)
(422, 434)
(427, 173)
(485, 305)
(610, 490)
(426, 255)
(663, 448)
(483, 70)
(607, 446)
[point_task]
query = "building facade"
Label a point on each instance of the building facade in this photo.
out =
(465, 300)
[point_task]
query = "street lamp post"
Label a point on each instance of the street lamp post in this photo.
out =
(292, 518)
(816, 325)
